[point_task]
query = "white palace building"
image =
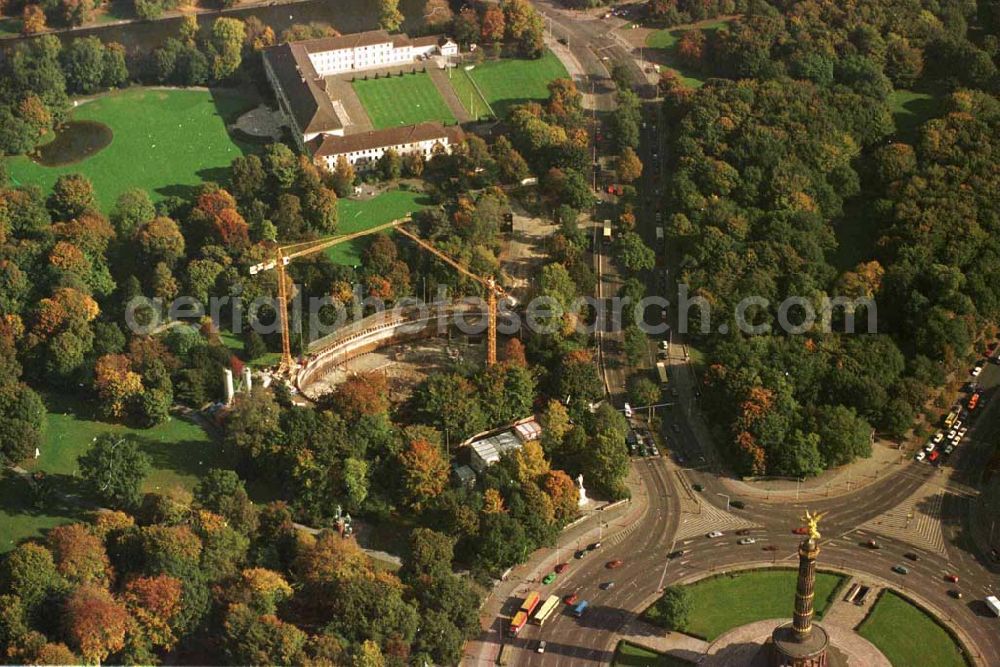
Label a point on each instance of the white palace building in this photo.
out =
(298, 71)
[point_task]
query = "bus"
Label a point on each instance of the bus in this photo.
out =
(546, 610)
(524, 613)
(580, 608)
(952, 416)
(607, 231)
(661, 370)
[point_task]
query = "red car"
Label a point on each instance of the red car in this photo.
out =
(613, 564)
(801, 530)
(571, 598)
(953, 578)
(561, 567)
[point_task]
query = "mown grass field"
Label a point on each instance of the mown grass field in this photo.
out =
(750, 596)
(506, 83)
(894, 623)
(181, 451)
(166, 141)
(402, 100)
(630, 655)
(666, 41)
(360, 214)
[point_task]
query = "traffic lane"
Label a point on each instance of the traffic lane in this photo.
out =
(584, 577)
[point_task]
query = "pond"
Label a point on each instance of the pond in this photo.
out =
(75, 141)
(344, 15)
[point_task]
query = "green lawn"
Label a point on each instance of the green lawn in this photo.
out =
(749, 596)
(235, 344)
(359, 214)
(630, 655)
(894, 623)
(910, 109)
(180, 450)
(506, 83)
(402, 100)
(666, 41)
(166, 141)
(19, 520)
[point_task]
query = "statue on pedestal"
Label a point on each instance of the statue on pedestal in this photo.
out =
(583, 491)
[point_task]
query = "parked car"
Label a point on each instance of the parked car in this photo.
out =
(571, 598)
(977, 369)
(957, 594)
(949, 449)
(953, 578)
(614, 564)
(934, 456)
(675, 554)
(714, 534)
(698, 487)
(738, 504)
(801, 530)
(872, 544)
(961, 432)
(561, 567)
(921, 455)
(900, 569)
(541, 646)
(747, 540)
(912, 556)
(607, 585)
(593, 546)
(549, 578)
(938, 437)
(580, 554)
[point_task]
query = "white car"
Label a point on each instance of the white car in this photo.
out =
(541, 646)
(929, 447)
(949, 449)
(920, 456)
(938, 437)
(952, 433)
(748, 540)
(714, 534)
(962, 431)
(957, 425)
(976, 370)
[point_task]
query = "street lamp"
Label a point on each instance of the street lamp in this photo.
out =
(727, 499)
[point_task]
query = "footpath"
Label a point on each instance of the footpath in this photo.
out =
(598, 524)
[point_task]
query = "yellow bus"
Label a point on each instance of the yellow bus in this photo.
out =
(546, 610)
(661, 370)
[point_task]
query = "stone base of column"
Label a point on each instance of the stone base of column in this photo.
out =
(788, 650)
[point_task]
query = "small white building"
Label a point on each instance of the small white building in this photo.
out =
(487, 448)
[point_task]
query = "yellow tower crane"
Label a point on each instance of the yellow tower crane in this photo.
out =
(285, 254)
(493, 292)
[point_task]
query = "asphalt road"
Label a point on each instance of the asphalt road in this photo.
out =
(591, 639)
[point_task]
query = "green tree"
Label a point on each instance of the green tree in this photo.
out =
(636, 346)
(843, 435)
(29, 572)
(642, 390)
(228, 36)
(390, 165)
(83, 64)
(389, 16)
(356, 481)
(223, 492)
(450, 402)
(252, 639)
(132, 209)
(674, 607)
(634, 254)
(253, 426)
(114, 467)
(22, 418)
(430, 555)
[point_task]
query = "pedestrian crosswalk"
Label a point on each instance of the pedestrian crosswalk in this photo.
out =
(916, 521)
(703, 517)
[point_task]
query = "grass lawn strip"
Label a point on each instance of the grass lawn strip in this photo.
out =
(631, 655)
(181, 451)
(893, 625)
(402, 100)
(360, 214)
(666, 41)
(165, 141)
(19, 520)
(750, 596)
(508, 82)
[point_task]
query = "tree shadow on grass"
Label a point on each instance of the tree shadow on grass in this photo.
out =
(190, 457)
(23, 516)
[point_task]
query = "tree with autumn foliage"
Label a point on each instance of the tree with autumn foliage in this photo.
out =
(493, 26)
(32, 20)
(95, 623)
(155, 603)
(79, 554)
(424, 472)
(116, 384)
